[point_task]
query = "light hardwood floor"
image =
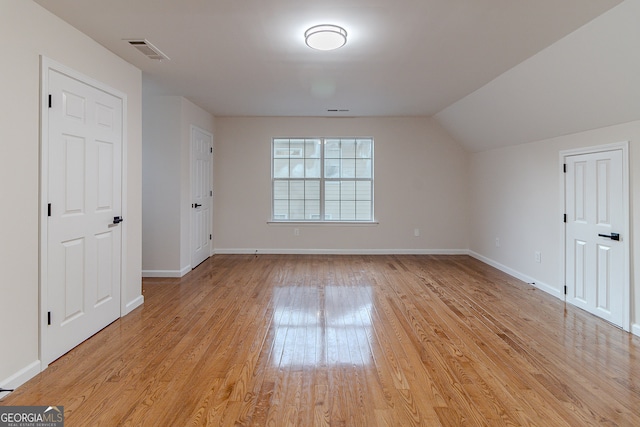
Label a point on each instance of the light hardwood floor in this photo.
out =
(346, 341)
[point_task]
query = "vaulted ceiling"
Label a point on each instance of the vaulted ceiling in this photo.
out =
(402, 57)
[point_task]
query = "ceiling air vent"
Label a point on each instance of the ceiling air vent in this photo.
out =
(148, 49)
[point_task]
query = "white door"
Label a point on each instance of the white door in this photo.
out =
(83, 232)
(595, 232)
(201, 195)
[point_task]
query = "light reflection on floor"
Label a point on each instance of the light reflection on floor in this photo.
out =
(324, 326)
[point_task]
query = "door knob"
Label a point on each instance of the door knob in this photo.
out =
(197, 205)
(117, 219)
(612, 236)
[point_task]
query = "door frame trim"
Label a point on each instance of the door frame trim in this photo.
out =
(47, 65)
(624, 147)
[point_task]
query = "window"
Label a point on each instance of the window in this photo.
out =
(322, 179)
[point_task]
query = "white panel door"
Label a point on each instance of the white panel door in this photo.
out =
(83, 236)
(595, 255)
(201, 195)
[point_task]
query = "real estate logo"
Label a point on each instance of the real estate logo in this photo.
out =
(31, 416)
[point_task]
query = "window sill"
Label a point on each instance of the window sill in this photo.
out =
(325, 223)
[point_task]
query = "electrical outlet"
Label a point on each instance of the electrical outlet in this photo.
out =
(497, 242)
(416, 232)
(296, 231)
(538, 256)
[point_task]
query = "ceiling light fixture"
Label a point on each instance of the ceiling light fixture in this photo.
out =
(325, 37)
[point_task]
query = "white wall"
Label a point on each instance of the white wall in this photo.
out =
(26, 32)
(166, 241)
(515, 195)
(161, 183)
(587, 80)
(421, 181)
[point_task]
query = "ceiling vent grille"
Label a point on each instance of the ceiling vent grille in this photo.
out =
(148, 49)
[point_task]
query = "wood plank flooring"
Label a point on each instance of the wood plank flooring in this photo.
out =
(369, 341)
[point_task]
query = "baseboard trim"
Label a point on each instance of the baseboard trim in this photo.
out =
(635, 329)
(271, 251)
(520, 276)
(166, 273)
(132, 305)
(21, 377)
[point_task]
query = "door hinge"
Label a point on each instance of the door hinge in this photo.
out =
(49, 209)
(49, 100)
(209, 236)
(211, 150)
(564, 168)
(565, 218)
(210, 193)
(565, 289)
(48, 318)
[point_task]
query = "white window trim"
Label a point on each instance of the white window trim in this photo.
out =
(324, 223)
(322, 181)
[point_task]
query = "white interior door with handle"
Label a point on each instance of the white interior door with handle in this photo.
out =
(83, 230)
(201, 195)
(596, 275)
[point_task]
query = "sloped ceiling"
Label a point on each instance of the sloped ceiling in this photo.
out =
(402, 58)
(588, 80)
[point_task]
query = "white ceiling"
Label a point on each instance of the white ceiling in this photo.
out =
(403, 57)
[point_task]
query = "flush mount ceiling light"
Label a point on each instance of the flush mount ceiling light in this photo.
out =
(325, 37)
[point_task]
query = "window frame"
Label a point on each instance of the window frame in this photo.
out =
(323, 180)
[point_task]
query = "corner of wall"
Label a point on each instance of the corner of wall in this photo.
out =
(520, 276)
(132, 305)
(21, 377)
